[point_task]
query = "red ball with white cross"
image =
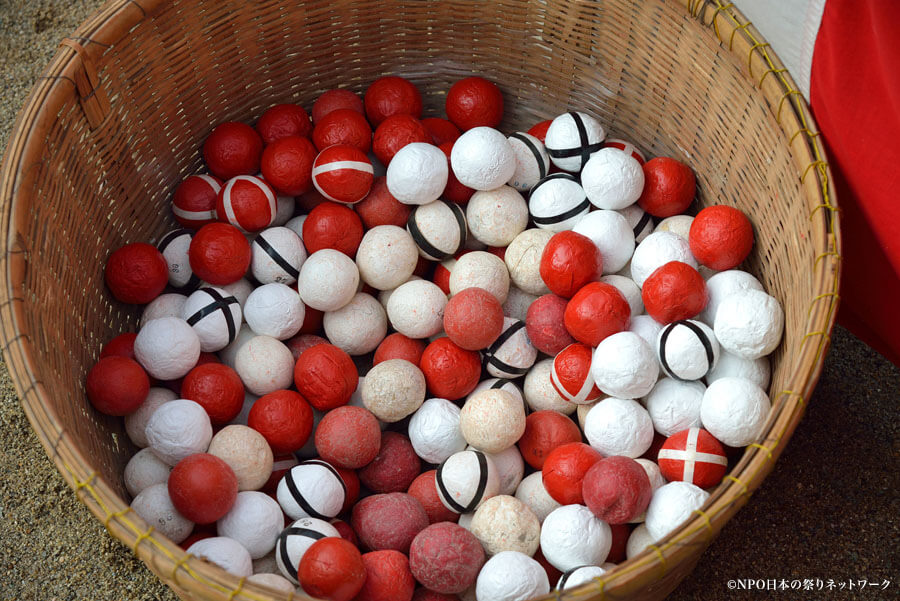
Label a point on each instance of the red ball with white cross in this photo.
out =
(343, 173)
(571, 374)
(694, 456)
(246, 202)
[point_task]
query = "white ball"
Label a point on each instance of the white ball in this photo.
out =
(512, 354)
(757, 371)
(612, 179)
(540, 393)
(501, 384)
(687, 349)
(671, 505)
(619, 427)
(655, 251)
(226, 553)
(465, 480)
(296, 539)
(572, 536)
(296, 225)
(136, 423)
(328, 280)
(572, 139)
(229, 353)
(511, 576)
(168, 348)
(640, 222)
(275, 310)
(313, 488)
(629, 290)
(557, 202)
(532, 161)
(264, 365)
(434, 430)
(284, 209)
(155, 506)
(674, 406)
(385, 295)
(580, 575)
(240, 289)
(273, 581)
(482, 159)
(393, 389)
(386, 257)
(358, 327)
(177, 429)
(416, 308)
(510, 468)
(438, 228)
(611, 234)
(531, 491)
(174, 248)
(517, 303)
(653, 473)
(247, 454)
(721, 286)
(480, 269)
(417, 174)
(624, 366)
(255, 520)
(497, 216)
(465, 520)
(144, 470)
(639, 540)
(734, 410)
(504, 523)
(523, 261)
(750, 324)
(277, 254)
(215, 315)
(170, 304)
(677, 224)
(492, 420)
(646, 327)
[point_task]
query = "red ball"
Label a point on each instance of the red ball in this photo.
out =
(424, 594)
(424, 490)
(545, 325)
(194, 202)
(284, 418)
(348, 437)
(441, 130)
(388, 521)
(332, 569)
(219, 254)
(332, 225)
(398, 346)
(117, 385)
(287, 165)
(620, 534)
(302, 342)
(136, 273)
(392, 95)
(693, 455)
(345, 530)
(387, 577)
(571, 374)
(232, 149)
(446, 558)
(669, 187)
(451, 372)
(333, 100)
(351, 488)
(120, 346)
(283, 120)
(596, 311)
(395, 133)
(721, 237)
(564, 470)
(248, 202)
(380, 207)
(309, 201)
(569, 262)
(674, 291)
(553, 575)
(617, 489)
(343, 126)
(312, 321)
(473, 319)
(544, 431)
(539, 130)
(454, 191)
(343, 174)
(326, 376)
(202, 487)
(217, 388)
(395, 466)
(474, 102)
(655, 446)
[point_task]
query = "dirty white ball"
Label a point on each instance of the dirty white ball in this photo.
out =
(558, 202)
(136, 423)
(531, 491)
(482, 159)
(629, 290)
(226, 553)
(466, 479)
(265, 565)
(215, 315)
(578, 576)
(624, 366)
(619, 427)
(273, 581)
(734, 410)
(572, 139)
(517, 303)
(416, 308)
(170, 304)
(573, 536)
(177, 429)
(155, 506)
(532, 161)
(674, 406)
(655, 251)
(492, 420)
(639, 540)
(523, 260)
(434, 430)
(328, 280)
(646, 327)
(296, 225)
(313, 488)
(438, 228)
(677, 224)
(386, 257)
(229, 353)
(611, 234)
(277, 254)
(612, 179)
(721, 286)
(174, 248)
(296, 539)
(540, 393)
(512, 354)
(255, 520)
(393, 389)
(671, 505)
(499, 383)
(510, 468)
(247, 454)
(757, 371)
(274, 310)
(385, 295)
(511, 576)
(168, 348)
(640, 222)
(284, 209)
(687, 349)
(417, 174)
(143, 470)
(480, 269)
(497, 216)
(504, 523)
(264, 365)
(750, 324)
(653, 473)
(358, 327)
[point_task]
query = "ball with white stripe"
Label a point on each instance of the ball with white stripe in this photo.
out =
(247, 202)
(572, 139)
(294, 541)
(343, 173)
(558, 202)
(194, 201)
(482, 159)
(417, 174)
(571, 374)
(274, 310)
(619, 427)
(687, 349)
(512, 354)
(694, 456)
(277, 254)
(174, 248)
(674, 406)
(328, 280)
(215, 316)
(612, 179)
(438, 229)
(497, 216)
(532, 161)
(611, 234)
(313, 488)
(466, 479)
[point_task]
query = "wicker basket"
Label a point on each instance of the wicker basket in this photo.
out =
(116, 122)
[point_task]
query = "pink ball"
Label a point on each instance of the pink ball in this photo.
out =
(388, 521)
(395, 466)
(473, 318)
(617, 489)
(348, 437)
(545, 325)
(446, 558)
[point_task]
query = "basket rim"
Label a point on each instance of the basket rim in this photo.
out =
(183, 572)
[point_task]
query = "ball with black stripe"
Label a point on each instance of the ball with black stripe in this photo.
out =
(687, 349)
(312, 488)
(512, 354)
(294, 541)
(558, 202)
(499, 383)
(465, 480)
(640, 222)
(438, 229)
(532, 161)
(174, 248)
(578, 576)
(215, 316)
(277, 254)
(572, 139)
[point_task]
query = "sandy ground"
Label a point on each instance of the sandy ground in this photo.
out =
(828, 511)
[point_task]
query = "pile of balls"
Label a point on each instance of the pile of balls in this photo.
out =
(473, 366)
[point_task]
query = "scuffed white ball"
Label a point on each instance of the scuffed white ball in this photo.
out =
(611, 234)
(674, 406)
(226, 553)
(656, 250)
(168, 348)
(416, 308)
(177, 429)
(155, 506)
(328, 280)
(274, 310)
(523, 261)
(482, 159)
(358, 327)
(496, 217)
(480, 269)
(255, 520)
(386, 257)
(531, 491)
(511, 576)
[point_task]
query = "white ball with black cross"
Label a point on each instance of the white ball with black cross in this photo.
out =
(640, 221)
(532, 161)
(687, 349)
(215, 316)
(174, 248)
(296, 539)
(511, 355)
(572, 139)
(277, 254)
(465, 480)
(312, 488)
(438, 229)
(558, 202)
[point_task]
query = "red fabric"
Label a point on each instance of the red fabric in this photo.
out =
(855, 97)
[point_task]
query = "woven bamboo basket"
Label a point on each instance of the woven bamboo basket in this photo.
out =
(118, 116)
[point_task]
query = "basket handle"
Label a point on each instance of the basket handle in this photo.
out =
(93, 98)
